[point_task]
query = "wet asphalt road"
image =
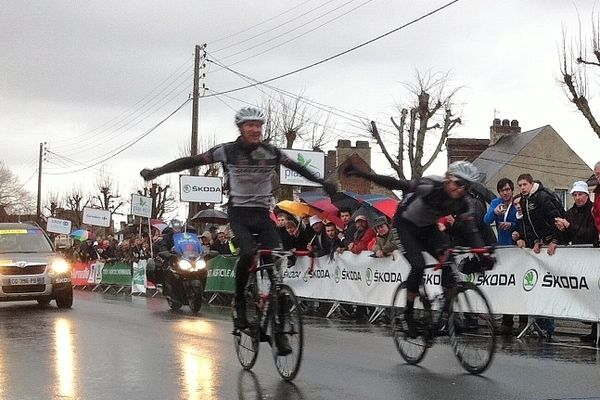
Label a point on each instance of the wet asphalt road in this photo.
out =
(118, 347)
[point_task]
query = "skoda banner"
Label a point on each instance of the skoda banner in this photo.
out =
(314, 161)
(200, 189)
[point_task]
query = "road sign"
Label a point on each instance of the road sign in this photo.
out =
(201, 189)
(141, 205)
(56, 225)
(314, 161)
(96, 217)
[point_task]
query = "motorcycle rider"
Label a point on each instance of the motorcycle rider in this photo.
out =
(249, 165)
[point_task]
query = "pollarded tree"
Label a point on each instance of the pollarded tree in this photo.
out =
(107, 197)
(425, 120)
(579, 56)
(163, 201)
(14, 199)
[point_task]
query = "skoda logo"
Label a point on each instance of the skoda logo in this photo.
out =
(470, 278)
(369, 277)
(21, 264)
(337, 274)
(305, 276)
(530, 279)
(186, 188)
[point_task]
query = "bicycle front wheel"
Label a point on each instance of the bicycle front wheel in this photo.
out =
(412, 349)
(247, 341)
(288, 335)
(471, 328)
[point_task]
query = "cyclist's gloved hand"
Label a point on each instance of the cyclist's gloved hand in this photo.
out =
(487, 261)
(148, 174)
(329, 188)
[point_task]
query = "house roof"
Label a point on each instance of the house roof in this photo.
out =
(507, 148)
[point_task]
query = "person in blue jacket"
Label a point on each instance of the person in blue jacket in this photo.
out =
(503, 212)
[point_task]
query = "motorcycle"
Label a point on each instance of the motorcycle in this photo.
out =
(184, 280)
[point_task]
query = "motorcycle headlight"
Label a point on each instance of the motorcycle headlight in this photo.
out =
(59, 266)
(185, 265)
(200, 264)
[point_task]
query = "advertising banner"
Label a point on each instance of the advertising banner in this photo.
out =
(96, 217)
(141, 205)
(56, 225)
(221, 274)
(117, 273)
(566, 285)
(314, 161)
(138, 281)
(202, 189)
(80, 273)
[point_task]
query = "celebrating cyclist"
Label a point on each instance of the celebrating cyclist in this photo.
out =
(425, 201)
(249, 166)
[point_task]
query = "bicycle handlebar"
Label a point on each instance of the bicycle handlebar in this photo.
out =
(471, 250)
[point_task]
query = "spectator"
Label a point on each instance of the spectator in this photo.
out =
(335, 244)
(578, 225)
(292, 230)
(205, 240)
(221, 245)
(362, 236)
(503, 213)
(287, 241)
(539, 215)
(349, 229)
(319, 243)
(385, 243)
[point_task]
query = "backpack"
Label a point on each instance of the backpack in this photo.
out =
(554, 198)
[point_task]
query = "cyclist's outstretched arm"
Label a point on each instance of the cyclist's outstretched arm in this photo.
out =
(179, 165)
(382, 180)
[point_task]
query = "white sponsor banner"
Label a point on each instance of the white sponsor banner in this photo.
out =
(95, 275)
(56, 225)
(141, 205)
(566, 285)
(201, 189)
(314, 161)
(96, 217)
(138, 280)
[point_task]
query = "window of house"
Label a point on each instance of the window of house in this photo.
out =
(562, 195)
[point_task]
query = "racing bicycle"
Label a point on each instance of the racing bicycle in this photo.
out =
(462, 310)
(272, 309)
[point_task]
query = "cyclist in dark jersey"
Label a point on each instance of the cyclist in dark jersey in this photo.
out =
(249, 166)
(425, 201)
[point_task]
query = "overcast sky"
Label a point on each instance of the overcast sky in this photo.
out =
(90, 77)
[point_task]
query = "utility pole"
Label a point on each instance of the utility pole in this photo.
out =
(39, 191)
(199, 63)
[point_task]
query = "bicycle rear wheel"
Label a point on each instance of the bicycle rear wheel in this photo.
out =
(290, 330)
(471, 329)
(411, 349)
(247, 341)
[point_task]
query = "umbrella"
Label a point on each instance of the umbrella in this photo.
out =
(386, 206)
(82, 234)
(158, 224)
(320, 201)
(297, 208)
(347, 199)
(212, 216)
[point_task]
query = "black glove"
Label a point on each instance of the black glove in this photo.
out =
(148, 174)
(487, 262)
(351, 170)
(329, 188)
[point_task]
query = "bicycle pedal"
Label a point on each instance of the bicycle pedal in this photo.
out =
(236, 332)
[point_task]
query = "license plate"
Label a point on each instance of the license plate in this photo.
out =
(27, 281)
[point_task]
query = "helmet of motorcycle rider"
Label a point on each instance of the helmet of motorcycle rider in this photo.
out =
(463, 170)
(176, 225)
(249, 114)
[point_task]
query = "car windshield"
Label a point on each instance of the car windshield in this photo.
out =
(28, 240)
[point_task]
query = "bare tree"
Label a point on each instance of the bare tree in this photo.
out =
(577, 56)
(107, 198)
(13, 197)
(53, 202)
(163, 201)
(426, 119)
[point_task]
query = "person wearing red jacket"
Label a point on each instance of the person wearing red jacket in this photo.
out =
(363, 235)
(593, 335)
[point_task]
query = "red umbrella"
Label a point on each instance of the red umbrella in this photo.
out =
(158, 224)
(386, 206)
(320, 201)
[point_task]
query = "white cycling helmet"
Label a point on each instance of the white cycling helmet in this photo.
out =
(464, 170)
(249, 114)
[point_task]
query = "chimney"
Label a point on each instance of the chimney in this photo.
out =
(500, 129)
(344, 150)
(330, 160)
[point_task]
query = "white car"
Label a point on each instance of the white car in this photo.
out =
(30, 269)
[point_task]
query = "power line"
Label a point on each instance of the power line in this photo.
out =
(338, 54)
